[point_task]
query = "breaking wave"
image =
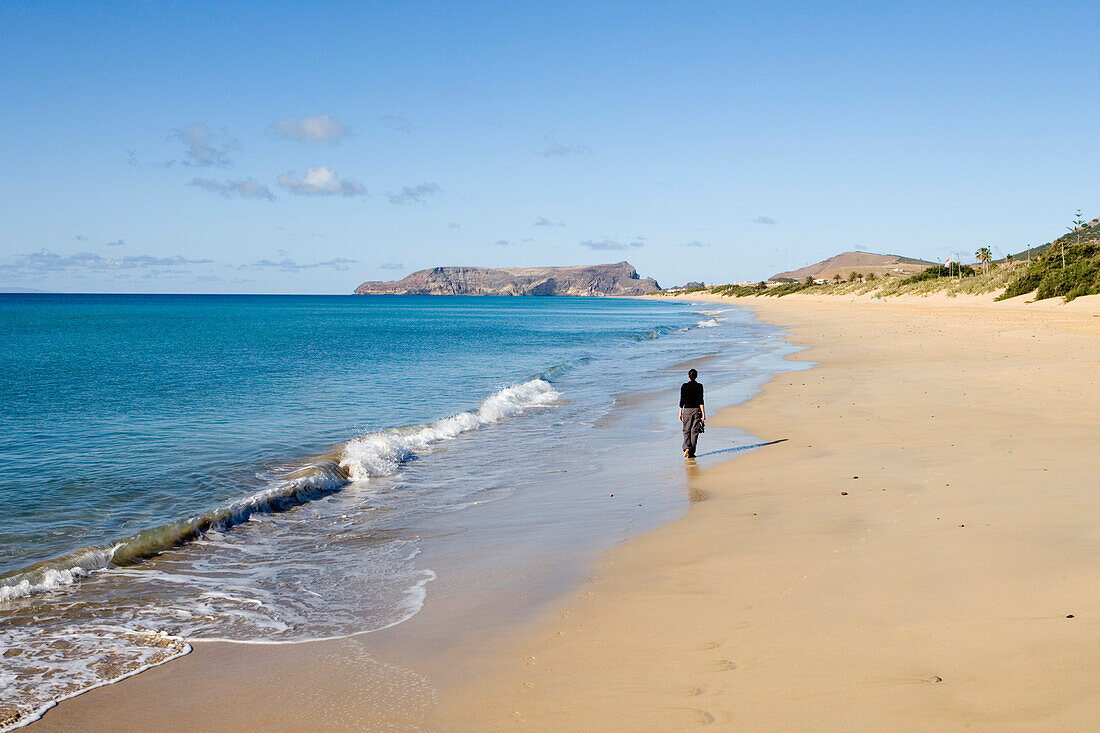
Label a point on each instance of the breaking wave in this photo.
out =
(370, 456)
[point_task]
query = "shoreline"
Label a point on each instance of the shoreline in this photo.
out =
(389, 677)
(797, 596)
(655, 640)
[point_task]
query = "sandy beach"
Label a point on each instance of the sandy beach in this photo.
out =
(344, 349)
(920, 553)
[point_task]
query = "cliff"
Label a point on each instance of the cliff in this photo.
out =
(600, 280)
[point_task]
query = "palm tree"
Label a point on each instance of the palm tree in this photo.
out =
(837, 278)
(985, 257)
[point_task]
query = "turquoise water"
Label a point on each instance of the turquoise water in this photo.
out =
(259, 468)
(122, 410)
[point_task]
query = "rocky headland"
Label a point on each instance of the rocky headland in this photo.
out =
(617, 279)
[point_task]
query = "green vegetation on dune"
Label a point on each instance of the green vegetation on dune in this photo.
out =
(938, 271)
(784, 289)
(1048, 278)
(1068, 267)
(737, 291)
(970, 282)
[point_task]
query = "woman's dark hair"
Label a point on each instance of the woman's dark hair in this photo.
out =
(692, 374)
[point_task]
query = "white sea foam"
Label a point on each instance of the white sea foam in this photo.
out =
(381, 454)
(66, 572)
(73, 660)
(712, 323)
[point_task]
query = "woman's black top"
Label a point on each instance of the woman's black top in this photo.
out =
(691, 394)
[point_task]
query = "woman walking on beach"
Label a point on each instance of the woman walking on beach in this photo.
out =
(692, 412)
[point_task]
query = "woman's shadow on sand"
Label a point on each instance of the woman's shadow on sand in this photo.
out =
(740, 448)
(696, 494)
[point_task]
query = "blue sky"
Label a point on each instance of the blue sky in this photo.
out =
(291, 147)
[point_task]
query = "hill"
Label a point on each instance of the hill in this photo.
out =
(1089, 232)
(589, 280)
(865, 262)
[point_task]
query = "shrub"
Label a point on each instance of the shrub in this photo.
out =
(781, 290)
(937, 271)
(1047, 277)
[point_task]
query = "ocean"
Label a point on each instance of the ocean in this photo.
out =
(265, 469)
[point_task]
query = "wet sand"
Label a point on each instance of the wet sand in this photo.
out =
(921, 553)
(930, 593)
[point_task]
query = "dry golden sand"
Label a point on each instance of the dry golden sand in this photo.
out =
(933, 592)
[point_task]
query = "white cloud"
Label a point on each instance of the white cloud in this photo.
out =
(203, 146)
(607, 243)
(415, 194)
(392, 266)
(764, 220)
(320, 180)
(320, 129)
(554, 148)
(117, 243)
(44, 262)
(245, 189)
(502, 243)
(694, 243)
(542, 221)
(289, 265)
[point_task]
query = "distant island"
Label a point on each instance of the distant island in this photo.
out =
(619, 279)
